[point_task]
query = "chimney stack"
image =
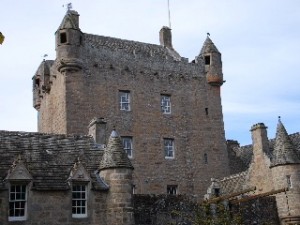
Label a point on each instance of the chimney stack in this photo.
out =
(165, 37)
(97, 129)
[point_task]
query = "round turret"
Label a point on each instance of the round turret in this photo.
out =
(211, 57)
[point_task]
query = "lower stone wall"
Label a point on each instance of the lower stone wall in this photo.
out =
(181, 210)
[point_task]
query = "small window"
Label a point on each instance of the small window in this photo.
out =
(206, 111)
(205, 158)
(79, 201)
(166, 104)
(17, 202)
(127, 144)
(217, 192)
(172, 189)
(288, 181)
(63, 38)
(207, 59)
(133, 189)
(124, 100)
(169, 147)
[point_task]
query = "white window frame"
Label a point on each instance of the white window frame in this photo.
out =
(172, 189)
(124, 97)
(128, 145)
(16, 198)
(79, 200)
(165, 104)
(169, 149)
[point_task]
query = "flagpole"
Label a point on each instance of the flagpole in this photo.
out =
(169, 14)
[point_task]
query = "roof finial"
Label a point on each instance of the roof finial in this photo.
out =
(69, 6)
(279, 118)
(208, 34)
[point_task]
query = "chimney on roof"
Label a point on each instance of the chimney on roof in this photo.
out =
(259, 139)
(165, 37)
(97, 129)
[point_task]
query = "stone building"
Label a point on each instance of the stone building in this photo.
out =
(64, 179)
(267, 167)
(167, 110)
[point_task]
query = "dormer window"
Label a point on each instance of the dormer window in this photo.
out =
(17, 202)
(63, 38)
(79, 200)
(207, 60)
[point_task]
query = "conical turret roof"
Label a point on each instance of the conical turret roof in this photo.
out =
(70, 21)
(208, 47)
(284, 150)
(114, 155)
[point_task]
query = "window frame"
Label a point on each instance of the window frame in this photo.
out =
(169, 148)
(13, 202)
(130, 149)
(127, 101)
(85, 199)
(171, 188)
(165, 104)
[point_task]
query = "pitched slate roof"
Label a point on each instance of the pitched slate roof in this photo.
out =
(208, 47)
(241, 157)
(114, 155)
(234, 183)
(284, 150)
(49, 158)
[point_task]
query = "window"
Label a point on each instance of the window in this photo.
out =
(124, 100)
(63, 38)
(165, 104)
(17, 202)
(172, 189)
(288, 181)
(169, 147)
(207, 59)
(205, 158)
(79, 201)
(127, 144)
(217, 192)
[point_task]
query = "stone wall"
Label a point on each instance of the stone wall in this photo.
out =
(162, 210)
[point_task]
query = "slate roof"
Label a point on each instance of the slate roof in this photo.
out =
(49, 158)
(284, 150)
(114, 155)
(234, 183)
(208, 47)
(241, 157)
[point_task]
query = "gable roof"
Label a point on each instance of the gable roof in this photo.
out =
(49, 158)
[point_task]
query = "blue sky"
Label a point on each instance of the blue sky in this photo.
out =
(259, 41)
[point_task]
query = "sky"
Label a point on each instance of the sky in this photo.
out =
(259, 41)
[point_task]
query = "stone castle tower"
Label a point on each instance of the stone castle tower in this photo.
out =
(167, 110)
(285, 167)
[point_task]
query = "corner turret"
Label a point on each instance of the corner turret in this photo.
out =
(68, 41)
(284, 151)
(285, 167)
(211, 57)
(116, 170)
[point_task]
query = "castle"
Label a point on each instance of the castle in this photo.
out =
(167, 110)
(119, 117)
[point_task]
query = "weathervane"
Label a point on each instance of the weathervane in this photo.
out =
(69, 6)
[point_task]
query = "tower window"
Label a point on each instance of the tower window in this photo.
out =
(165, 104)
(63, 38)
(169, 147)
(172, 189)
(207, 59)
(205, 158)
(288, 181)
(217, 192)
(206, 111)
(124, 100)
(127, 144)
